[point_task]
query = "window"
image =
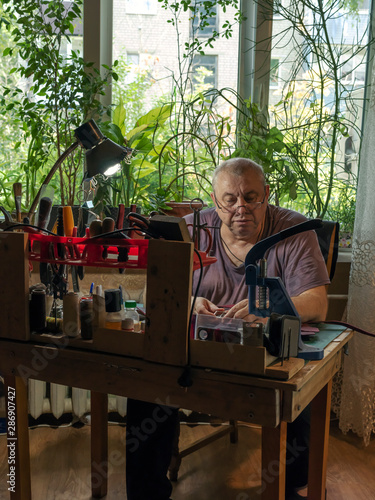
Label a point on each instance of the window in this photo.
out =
(141, 6)
(204, 72)
(278, 6)
(275, 73)
(350, 155)
(364, 6)
(203, 27)
(78, 26)
(353, 70)
(133, 61)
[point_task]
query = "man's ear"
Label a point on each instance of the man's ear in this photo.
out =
(267, 191)
(213, 197)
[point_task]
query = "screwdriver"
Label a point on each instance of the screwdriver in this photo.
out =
(108, 226)
(68, 221)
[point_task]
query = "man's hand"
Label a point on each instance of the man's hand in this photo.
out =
(241, 311)
(204, 306)
(311, 305)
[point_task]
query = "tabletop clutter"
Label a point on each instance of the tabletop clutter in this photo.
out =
(74, 316)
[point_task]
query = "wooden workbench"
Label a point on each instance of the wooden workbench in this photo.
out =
(264, 401)
(230, 381)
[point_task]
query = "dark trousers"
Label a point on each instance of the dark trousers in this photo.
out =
(150, 431)
(297, 453)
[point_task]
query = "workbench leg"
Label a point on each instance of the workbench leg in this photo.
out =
(273, 462)
(99, 444)
(19, 482)
(319, 436)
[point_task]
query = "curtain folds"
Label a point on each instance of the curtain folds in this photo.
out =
(357, 408)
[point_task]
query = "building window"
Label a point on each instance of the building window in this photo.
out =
(141, 7)
(353, 70)
(275, 73)
(203, 27)
(133, 62)
(278, 6)
(204, 72)
(364, 6)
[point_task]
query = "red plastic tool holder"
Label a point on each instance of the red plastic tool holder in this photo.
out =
(90, 252)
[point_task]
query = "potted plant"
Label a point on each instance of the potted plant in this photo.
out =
(54, 93)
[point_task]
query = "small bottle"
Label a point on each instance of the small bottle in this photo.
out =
(71, 317)
(114, 313)
(131, 314)
(86, 314)
(37, 309)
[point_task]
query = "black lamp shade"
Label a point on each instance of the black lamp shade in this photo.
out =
(89, 134)
(102, 154)
(102, 157)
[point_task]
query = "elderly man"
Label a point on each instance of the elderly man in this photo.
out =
(242, 217)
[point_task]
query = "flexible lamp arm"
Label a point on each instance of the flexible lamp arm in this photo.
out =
(260, 248)
(51, 174)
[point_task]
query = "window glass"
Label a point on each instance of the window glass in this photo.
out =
(204, 72)
(204, 27)
(162, 64)
(275, 72)
(297, 74)
(141, 6)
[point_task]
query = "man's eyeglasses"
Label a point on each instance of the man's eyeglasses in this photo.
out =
(232, 209)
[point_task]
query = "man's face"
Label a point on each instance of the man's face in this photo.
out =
(235, 195)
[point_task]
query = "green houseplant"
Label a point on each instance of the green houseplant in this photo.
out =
(61, 92)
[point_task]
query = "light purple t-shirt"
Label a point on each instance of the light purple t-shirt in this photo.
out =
(297, 260)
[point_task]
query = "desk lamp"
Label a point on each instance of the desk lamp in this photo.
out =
(103, 156)
(269, 298)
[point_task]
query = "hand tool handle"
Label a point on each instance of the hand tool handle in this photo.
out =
(17, 189)
(120, 216)
(68, 221)
(107, 227)
(95, 228)
(45, 207)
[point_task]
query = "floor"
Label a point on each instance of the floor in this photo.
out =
(60, 466)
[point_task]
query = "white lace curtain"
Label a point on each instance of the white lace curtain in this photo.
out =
(357, 408)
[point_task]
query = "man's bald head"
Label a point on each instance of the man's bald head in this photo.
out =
(238, 167)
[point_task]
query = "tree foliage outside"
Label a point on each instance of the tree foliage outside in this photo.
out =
(50, 94)
(180, 140)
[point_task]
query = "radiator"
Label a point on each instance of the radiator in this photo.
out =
(59, 399)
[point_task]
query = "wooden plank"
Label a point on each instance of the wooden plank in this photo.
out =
(14, 289)
(200, 443)
(295, 401)
(62, 340)
(168, 301)
(286, 369)
(319, 436)
(99, 444)
(17, 438)
(119, 342)
(302, 377)
(227, 356)
(142, 380)
(273, 462)
(253, 360)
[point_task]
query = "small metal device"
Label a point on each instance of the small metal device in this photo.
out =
(269, 296)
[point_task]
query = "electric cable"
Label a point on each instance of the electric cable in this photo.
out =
(185, 379)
